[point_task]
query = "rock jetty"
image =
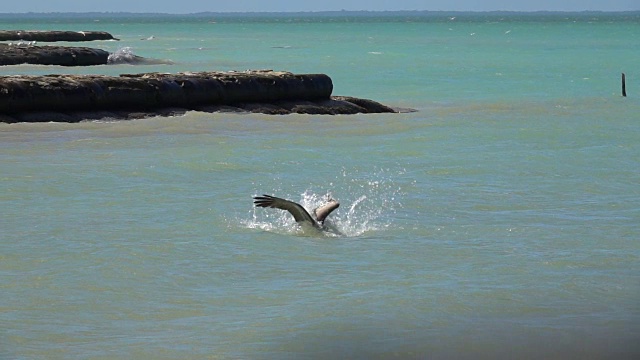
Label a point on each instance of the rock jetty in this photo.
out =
(25, 53)
(15, 54)
(52, 36)
(73, 98)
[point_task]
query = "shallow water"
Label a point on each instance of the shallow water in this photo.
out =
(499, 221)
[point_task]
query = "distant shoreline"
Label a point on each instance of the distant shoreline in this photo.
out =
(344, 13)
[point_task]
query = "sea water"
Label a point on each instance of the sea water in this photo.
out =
(501, 220)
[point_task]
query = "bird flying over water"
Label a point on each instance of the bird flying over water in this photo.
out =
(299, 213)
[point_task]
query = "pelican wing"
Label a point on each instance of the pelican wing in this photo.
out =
(299, 213)
(323, 211)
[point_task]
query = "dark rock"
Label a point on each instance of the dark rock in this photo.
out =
(219, 109)
(342, 107)
(51, 36)
(369, 105)
(25, 53)
(152, 91)
(264, 108)
(8, 119)
(51, 55)
(132, 114)
(71, 98)
(171, 111)
(46, 116)
(305, 107)
(96, 115)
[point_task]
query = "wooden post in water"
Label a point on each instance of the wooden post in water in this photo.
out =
(624, 87)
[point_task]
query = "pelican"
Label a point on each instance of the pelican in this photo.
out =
(299, 213)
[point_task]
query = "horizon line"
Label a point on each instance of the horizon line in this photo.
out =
(325, 11)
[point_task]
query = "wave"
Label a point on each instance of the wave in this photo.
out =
(126, 55)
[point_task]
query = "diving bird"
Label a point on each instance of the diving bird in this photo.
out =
(299, 213)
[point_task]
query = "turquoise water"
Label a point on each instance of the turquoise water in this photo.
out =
(499, 221)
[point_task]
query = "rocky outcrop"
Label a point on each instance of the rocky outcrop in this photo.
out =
(52, 36)
(70, 98)
(51, 55)
(24, 53)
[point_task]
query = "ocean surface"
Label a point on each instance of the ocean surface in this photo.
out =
(499, 221)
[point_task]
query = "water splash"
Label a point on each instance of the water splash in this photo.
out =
(126, 55)
(368, 203)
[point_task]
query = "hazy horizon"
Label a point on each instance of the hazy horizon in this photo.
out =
(278, 6)
(320, 12)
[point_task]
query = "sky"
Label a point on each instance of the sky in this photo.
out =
(193, 6)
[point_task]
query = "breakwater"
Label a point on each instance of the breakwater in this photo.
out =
(52, 55)
(25, 53)
(53, 36)
(71, 98)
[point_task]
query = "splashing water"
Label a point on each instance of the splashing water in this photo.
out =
(123, 55)
(126, 55)
(366, 205)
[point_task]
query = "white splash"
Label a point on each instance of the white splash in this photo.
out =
(126, 55)
(367, 204)
(123, 55)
